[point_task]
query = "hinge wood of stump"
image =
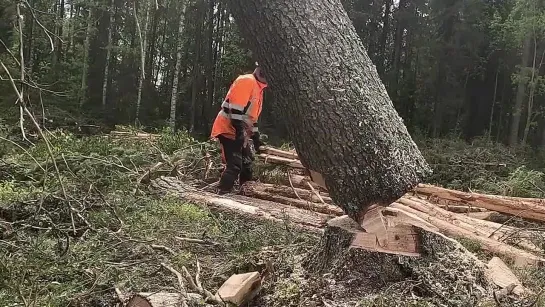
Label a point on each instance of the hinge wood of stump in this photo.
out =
(386, 230)
(384, 234)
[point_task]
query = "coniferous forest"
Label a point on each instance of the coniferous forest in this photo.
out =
(108, 173)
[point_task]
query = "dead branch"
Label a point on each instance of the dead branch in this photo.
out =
(163, 248)
(181, 284)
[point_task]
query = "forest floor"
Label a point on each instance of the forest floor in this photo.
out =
(76, 228)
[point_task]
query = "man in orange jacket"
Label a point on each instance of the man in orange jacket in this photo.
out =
(236, 124)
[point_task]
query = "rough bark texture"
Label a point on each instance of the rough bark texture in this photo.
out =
(339, 115)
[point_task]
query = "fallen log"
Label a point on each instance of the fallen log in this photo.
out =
(278, 152)
(303, 182)
(295, 163)
(519, 257)
(272, 193)
(252, 208)
(163, 299)
(483, 228)
(533, 210)
(294, 192)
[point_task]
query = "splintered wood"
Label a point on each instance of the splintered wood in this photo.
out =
(240, 289)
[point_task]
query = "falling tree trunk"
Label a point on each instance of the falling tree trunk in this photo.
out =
(83, 88)
(339, 115)
(174, 96)
(108, 57)
(142, 35)
(521, 92)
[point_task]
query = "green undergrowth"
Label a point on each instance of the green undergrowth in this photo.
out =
(69, 242)
(485, 166)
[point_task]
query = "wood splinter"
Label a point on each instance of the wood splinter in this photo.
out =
(387, 230)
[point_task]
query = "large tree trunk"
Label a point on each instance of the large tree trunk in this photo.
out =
(339, 115)
(521, 92)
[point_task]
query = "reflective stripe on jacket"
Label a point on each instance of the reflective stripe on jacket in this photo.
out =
(243, 102)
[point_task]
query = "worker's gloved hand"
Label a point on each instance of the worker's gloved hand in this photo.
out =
(256, 139)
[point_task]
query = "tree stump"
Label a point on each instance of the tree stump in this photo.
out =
(444, 269)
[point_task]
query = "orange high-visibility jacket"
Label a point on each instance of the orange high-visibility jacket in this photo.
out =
(243, 102)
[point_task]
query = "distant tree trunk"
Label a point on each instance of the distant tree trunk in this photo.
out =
(179, 45)
(108, 56)
(196, 66)
(152, 47)
(384, 37)
(344, 126)
(161, 48)
(209, 64)
(521, 93)
(85, 70)
(60, 25)
(501, 109)
(491, 120)
(398, 43)
(530, 106)
(142, 35)
(30, 43)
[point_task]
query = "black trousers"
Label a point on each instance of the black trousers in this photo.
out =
(238, 160)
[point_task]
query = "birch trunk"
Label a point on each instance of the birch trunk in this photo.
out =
(174, 96)
(142, 35)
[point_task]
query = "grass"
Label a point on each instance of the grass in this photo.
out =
(44, 263)
(35, 270)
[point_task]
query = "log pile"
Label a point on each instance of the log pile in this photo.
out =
(453, 213)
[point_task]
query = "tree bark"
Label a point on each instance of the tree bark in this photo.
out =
(142, 34)
(210, 64)
(196, 72)
(332, 97)
(398, 43)
(521, 92)
(174, 96)
(108, 57)
(85, 70)
(491, 120)
(530, 106)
